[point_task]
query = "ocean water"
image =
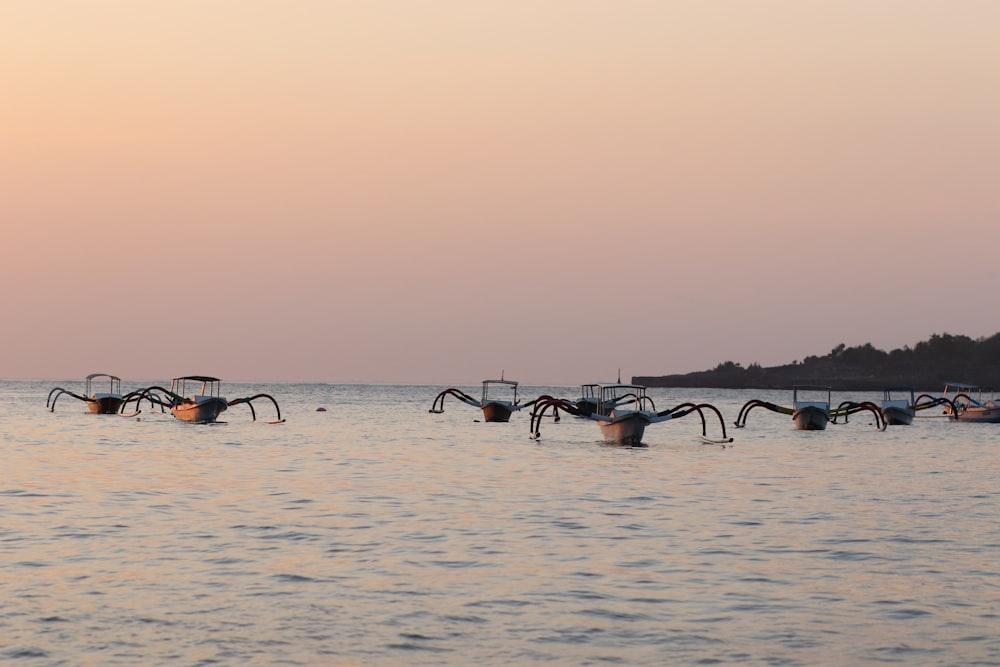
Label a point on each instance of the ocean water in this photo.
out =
(376, 533)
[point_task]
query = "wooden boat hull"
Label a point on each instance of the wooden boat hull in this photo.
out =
(624, 430)
(979, 414)
(895, 416)
(104, 405)
(203, 410)
(497, 411)
(811, 418)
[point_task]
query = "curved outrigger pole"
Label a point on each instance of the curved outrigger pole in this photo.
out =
(544, 403)
(457, 393)
(741, 418)
(144, 394)
(685, 409)
(253, 413)
(937, 400)
(50, 402)
(165, 399)
(847, 408)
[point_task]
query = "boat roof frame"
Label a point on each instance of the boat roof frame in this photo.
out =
(114, 380)
(210, 386)
(811, 387)
(887, 391)
(610, 387)
(502, 382)
(94, 376)
(961, 385)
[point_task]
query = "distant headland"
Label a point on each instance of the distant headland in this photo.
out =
(925, 367)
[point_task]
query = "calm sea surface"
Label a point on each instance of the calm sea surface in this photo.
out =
(378, 534)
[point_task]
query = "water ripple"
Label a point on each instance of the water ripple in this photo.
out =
(378, 534)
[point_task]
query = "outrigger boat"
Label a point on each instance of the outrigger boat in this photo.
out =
(812, 412)
(494, 409)
(623, 411)
(811, 415)
(963, 407)
(98, 402)
(202, 407)
(898, 411)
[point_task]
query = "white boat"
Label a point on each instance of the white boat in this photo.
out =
(898, 411)
(623, 411)
(810, 409)
(499, 409)
(203, 405)
(499, 400)
(970, 403)
(98, 402)
(811, 413)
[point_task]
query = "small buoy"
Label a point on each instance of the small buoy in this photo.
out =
(320, 409)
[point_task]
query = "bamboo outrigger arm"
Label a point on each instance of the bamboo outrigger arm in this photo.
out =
(253, 413)
(438, 406)
(741, 418)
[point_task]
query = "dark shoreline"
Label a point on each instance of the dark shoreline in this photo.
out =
(927, 367)
(836, 384)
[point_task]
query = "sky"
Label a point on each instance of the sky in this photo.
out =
(437, 192)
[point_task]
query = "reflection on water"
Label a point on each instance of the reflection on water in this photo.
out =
(376, 533)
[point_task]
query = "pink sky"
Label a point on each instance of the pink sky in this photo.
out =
(432, 192)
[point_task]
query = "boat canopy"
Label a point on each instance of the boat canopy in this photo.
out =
(814, 390)
(507, 383)
(961, 385)
(209, 385)
(114, 383)
(889, 391)
(613, 395)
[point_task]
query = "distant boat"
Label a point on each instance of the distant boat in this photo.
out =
(204, 405)
(898, 411)
(496, 406)
(623, 411)
(811, 414)
(98, 402)
(969, 403)
(810, 409)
